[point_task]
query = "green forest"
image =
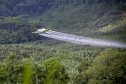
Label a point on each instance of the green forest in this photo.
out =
(27, 58)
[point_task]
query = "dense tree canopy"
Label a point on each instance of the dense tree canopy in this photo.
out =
(17, 29)
(108, 68)
(15, 7)
(15, 24)
(27, 71)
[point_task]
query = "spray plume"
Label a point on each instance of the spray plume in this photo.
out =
(82, 40)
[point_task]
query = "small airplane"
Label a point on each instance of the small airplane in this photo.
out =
(43, 30)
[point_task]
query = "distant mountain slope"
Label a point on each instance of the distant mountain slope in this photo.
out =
(112, 25)
(97, 20)
(73, 17)
(86, 19)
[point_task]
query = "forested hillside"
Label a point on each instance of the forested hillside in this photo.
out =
(27, 58)
(15, 7)
(19, 18)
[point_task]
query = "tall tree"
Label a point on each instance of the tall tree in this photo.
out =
(55, 73)
(14, 69)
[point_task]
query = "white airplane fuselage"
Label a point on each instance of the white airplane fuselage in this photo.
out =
(43, 30)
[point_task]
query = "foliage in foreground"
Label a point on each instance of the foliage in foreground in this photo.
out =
(27, 71)
(55, 72)
(108, 68)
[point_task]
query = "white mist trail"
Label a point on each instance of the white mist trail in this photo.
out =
(82, 40)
